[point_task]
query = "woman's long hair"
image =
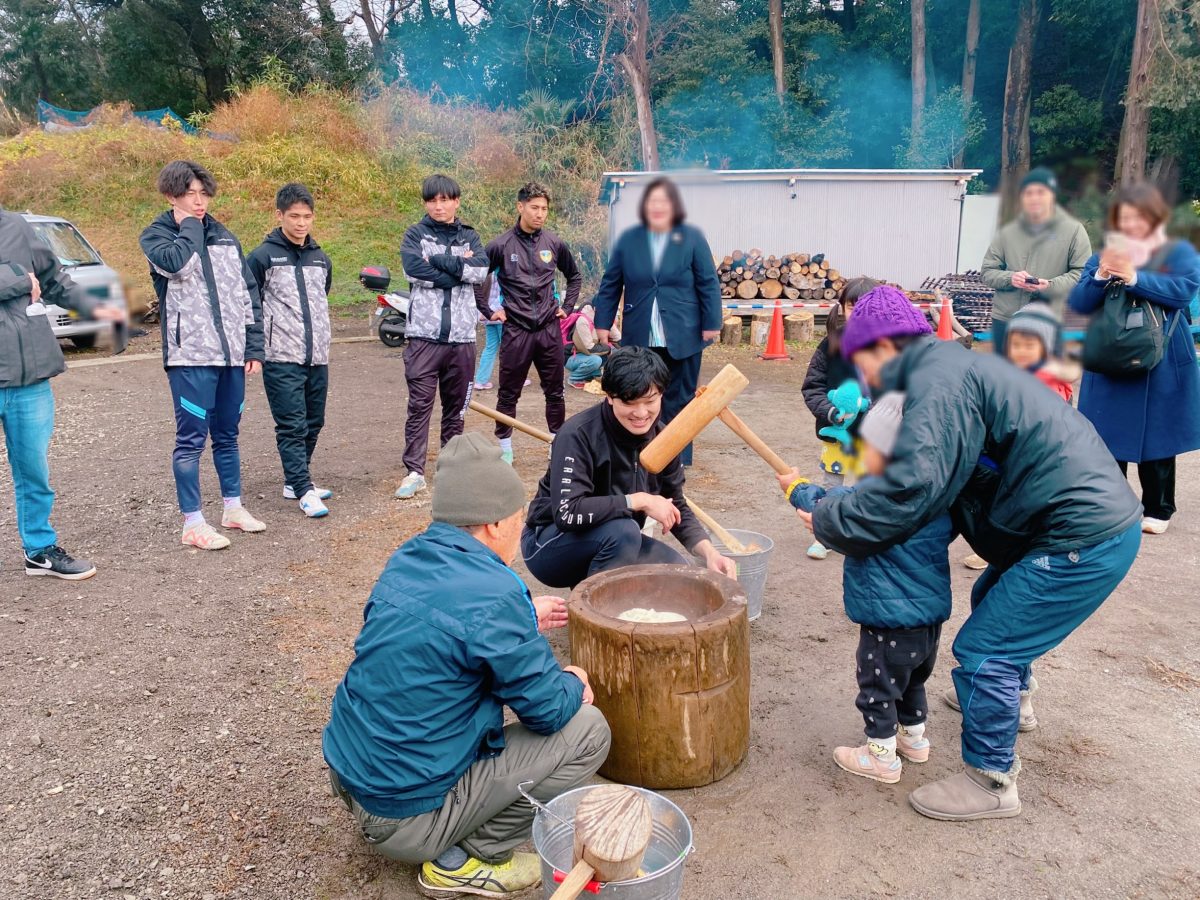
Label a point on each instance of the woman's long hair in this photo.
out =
(852, 291)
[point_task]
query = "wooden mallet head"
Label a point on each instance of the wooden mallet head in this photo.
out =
(693, 419)
(612, 830)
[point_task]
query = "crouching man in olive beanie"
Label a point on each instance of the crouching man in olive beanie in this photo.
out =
(416, 743)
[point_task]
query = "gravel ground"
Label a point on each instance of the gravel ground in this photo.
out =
(161, 723)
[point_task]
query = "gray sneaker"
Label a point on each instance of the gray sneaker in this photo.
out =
(412, 484)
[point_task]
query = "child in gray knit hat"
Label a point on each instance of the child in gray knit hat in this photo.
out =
(900, 598)
(1033, 336)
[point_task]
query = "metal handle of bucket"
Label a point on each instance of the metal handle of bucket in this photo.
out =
(539, 805)
(592, 887)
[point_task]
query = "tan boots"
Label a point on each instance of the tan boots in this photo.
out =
(969, 795)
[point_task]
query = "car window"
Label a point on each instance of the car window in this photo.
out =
(67, 244)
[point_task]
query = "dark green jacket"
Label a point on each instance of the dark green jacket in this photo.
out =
(1056, 252)
(1018, 470)
(29, 351)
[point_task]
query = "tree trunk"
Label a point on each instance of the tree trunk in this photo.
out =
(970, 58)
(1014, 142)
(1165, 174)
(1135, 131)
(918, 66)
(636, 64)
(775, 20)
(849, 18)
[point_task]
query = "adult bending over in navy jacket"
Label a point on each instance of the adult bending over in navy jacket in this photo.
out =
(416, 743)
(1031, 486)
(595, 497)
(672, 298)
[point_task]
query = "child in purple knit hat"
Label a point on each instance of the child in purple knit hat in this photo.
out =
(885, 312)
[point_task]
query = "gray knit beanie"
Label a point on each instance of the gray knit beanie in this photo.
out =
(474, 485)
(1040, 320)
(882, 425)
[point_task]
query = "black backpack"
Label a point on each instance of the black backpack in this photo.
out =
(1126, 336)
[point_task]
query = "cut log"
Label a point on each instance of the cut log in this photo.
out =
(771, 289)
(790, 292)
(833, 274)
(798, 326)
(760, 327)
(727, 292)
(727, 261)
(747, 290)
(759, 276)
(801, 258)
(772, 271)
(731, 331)
(829, 294)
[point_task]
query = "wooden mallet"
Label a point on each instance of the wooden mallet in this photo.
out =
(731, 543)
(612, 830)
(693, 419)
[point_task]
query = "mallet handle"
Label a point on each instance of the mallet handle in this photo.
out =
(731, 543)
(577, 879)
(754, 442)
(511, 422)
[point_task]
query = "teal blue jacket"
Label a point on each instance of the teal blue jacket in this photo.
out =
(449, 638)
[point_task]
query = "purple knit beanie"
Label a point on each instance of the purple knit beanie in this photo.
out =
(883, 312)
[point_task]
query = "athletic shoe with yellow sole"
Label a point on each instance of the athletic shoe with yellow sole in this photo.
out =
(476, 878)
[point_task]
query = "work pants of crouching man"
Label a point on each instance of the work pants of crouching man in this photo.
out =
(484, 813)
(1018, 615)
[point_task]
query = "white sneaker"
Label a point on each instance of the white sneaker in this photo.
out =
(413, 483)
(239, 517)
(289, 494)
(312, 506)
(205, 537)
(1154, 526)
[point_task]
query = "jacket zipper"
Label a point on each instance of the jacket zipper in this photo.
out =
(177, 318)
(21, 353)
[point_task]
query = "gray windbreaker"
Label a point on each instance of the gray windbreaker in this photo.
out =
(442, 305)
(207, 298)
(294, 284)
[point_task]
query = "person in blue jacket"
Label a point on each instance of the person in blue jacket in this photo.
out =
(1152, 418)
(1029, 484)
(900, 598)
(416, 742)
(672, 298)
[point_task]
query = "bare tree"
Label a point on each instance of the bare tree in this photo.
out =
(1135, 130)
(1014, 143)
(775, 21)
(627, 22)
(970, 58)
(918, 65)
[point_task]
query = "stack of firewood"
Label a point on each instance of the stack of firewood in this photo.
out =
(796, 276)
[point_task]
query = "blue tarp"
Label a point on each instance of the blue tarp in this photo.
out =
(52, 117)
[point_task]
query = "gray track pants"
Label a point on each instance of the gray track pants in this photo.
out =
(484, 813)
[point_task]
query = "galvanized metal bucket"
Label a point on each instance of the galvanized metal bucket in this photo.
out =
(751, 567)
(670, 844)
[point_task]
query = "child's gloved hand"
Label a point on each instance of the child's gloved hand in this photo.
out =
(806, 496)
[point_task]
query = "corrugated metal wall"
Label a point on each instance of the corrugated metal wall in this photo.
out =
(889, 227)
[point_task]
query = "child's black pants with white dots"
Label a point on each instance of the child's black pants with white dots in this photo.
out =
(893, 666)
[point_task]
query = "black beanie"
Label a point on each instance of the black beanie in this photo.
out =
(1040, 175)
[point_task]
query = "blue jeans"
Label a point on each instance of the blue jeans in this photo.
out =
(487, 359)
(208, 401)
(1016, 616)
(27, 414)
(582, 368)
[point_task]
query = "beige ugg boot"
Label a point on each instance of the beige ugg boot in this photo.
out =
(971, 794)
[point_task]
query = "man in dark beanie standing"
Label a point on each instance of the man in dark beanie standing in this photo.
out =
(1037, 256)
(416, 743)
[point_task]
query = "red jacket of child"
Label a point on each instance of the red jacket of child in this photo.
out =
(1056, 384)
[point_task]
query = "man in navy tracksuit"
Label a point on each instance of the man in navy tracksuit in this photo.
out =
(525, 259)
(443, 257)
(212, 339)
(294, 275)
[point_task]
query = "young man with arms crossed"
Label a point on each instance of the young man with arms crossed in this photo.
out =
(212, 339)
(525, 259)
(443, 258)
(294, 275)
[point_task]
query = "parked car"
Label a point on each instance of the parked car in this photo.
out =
(86, 268)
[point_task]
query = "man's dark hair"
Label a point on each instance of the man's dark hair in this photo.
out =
(532, 189)
(292, 193)
(678, 213)
(176, 178)
(630, 372)
(442, 185)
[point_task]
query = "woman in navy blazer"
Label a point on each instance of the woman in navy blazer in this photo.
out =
(672, 298)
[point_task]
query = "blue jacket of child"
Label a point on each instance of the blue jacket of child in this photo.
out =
(906, 586)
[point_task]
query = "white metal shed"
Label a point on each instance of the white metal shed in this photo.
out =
(902, 225)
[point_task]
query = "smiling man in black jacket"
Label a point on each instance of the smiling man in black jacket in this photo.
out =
(595, 497)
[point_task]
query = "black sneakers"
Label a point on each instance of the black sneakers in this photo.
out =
(58, 563)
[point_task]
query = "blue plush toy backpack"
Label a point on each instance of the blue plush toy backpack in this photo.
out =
(850, 403)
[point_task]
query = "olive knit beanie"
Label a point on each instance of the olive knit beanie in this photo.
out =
(474, 485)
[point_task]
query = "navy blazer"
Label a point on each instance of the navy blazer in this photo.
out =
(689, 295)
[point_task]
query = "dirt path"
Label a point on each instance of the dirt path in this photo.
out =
(161, 722)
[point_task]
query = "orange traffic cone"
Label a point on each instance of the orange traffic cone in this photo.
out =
(775, 348)
(945, 330)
